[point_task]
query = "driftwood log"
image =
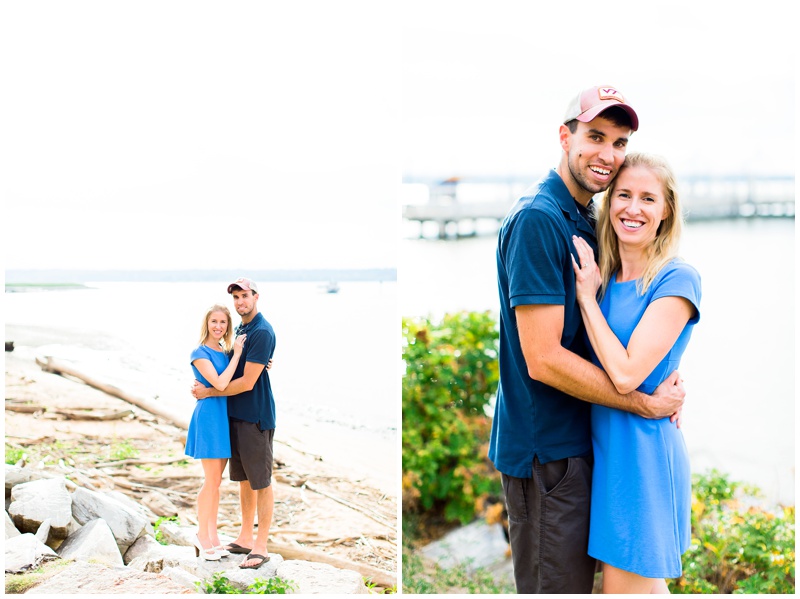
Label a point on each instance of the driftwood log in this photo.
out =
(48, 364)
(378, 576)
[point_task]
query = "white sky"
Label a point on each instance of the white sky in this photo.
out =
(176, 134)
(712, 82)
(162, 134)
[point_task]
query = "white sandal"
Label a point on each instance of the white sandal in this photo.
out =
(200, 551)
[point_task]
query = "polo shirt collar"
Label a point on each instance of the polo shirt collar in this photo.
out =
(567, 202)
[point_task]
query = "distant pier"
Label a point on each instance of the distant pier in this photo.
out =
(455, 201)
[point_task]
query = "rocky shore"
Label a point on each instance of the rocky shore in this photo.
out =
(95, 481)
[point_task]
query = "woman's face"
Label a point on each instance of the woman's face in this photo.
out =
(637, 206)
(217, 325)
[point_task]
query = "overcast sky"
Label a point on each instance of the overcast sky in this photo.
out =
(712, 82)
(164, 134)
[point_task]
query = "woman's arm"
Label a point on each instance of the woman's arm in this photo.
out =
(656, 333)
(220, 381)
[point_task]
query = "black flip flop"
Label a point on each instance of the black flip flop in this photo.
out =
(234, 548)
(254, 556)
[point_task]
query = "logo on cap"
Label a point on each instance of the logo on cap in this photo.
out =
(609, 93)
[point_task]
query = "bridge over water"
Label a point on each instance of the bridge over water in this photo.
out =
(454, 201)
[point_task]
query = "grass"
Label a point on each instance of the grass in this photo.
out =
(424, 577)
(17, 584)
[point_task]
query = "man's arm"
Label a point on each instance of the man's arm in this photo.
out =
(540, 329)
(252, 370)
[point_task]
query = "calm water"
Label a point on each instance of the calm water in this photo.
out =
(739, 367)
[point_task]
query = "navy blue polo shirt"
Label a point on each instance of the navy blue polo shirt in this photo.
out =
(258, 404)
(534, 267)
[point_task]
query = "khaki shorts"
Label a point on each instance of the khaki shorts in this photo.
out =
(251, 454)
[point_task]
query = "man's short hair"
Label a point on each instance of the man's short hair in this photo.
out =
(615, 114)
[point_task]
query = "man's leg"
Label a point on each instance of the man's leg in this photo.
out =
(257, 464)
(247, 502)
(247, 497)
(266, 503)
(549, 527)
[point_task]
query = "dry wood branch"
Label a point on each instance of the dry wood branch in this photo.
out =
(316, 456)
(48, 364)
(289, 551)
(379, 518)
(140, 487)
(134, 462)
(95, 415)
(24, 409)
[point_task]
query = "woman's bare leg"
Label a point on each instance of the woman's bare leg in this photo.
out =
(208, 501)
(660, 587)
(616, 581)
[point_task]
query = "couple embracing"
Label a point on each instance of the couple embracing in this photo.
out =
(586, 429)
(234, 419)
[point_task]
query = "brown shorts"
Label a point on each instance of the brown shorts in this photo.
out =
(251, 454)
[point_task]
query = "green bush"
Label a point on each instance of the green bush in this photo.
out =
(737, 546)
(451, 376)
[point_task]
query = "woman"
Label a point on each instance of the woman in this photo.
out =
(649, 303)
(208, 438)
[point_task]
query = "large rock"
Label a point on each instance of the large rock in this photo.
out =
(24, 552)
(11, 530)
(156, 559)
(14, 475)
(182, 577)
(142, 546)
(175, 534)
(85, 578)
(160, 504)
(125, 523)
(34, 502)
(93, 542)
(314, 578)
(229, 566)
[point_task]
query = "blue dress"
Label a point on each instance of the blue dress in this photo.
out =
(209, 434)
(641, 485)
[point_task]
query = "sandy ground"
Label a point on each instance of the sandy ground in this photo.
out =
(322, 501)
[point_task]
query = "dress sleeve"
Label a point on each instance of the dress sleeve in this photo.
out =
(198, 352)
(680, 280)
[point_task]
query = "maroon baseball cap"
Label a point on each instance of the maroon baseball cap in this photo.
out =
(591, 102)
(245, 284)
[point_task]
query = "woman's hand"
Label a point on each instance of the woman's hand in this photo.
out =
(587, 273)
(238, 344)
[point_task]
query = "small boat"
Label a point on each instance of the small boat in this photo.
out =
(332, 287)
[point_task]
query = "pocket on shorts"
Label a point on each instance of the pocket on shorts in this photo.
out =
(576, 479)
(515, 491)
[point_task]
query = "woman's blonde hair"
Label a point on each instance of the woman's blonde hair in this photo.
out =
(226, 343)
(665, 245)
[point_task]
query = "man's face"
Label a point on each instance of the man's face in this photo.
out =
(595, 152)
(244, 302)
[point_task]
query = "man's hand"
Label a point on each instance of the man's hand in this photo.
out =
(199, 390)
(676, 418)
(667, 399)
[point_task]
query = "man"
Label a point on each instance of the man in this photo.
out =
(541, 438)
(251, 415)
